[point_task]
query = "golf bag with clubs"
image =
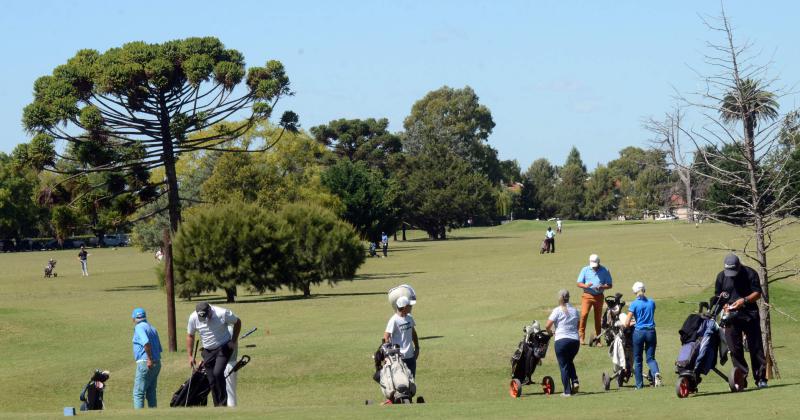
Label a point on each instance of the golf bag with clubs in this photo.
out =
(49, 269)
(529, 354)
(702, 339)
(92, 394)
(619, 341)
(194, 392)
(394, 377)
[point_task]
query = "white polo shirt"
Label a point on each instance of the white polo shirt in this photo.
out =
(214, 331)
(401, 329)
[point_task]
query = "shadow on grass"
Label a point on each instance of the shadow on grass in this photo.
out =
(458, 238)
(283, 298)
(431, 337)
(384, 276)
(137, 288)
(708, 394)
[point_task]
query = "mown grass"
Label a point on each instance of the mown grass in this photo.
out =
(312, 357)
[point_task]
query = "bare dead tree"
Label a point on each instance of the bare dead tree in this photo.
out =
(667, 140)
(739, 150)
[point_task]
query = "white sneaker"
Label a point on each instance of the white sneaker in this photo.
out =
(658, 381)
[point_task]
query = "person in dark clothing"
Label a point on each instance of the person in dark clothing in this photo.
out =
(743, 287)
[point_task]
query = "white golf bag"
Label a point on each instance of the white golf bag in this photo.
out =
(396, 380)
(402, 290)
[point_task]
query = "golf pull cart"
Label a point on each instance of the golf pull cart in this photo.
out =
(701, 340)
(529, 354)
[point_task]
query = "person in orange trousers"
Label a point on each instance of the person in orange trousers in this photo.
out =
(593, 279)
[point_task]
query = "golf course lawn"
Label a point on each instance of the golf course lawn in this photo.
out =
(312, 357)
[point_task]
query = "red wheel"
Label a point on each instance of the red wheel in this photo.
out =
(683, 388)
(548, 385)
(515, 388)
(737, 380)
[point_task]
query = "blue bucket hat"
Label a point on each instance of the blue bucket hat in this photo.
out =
(139, 313)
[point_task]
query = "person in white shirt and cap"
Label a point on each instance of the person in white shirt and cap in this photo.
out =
(219, 344)
(401, 330)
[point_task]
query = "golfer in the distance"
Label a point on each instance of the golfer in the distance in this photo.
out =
(219, 344)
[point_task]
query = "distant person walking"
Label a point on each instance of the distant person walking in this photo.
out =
(644, 334)
(558, 225)
(83, 258)
(550, 237)
(565, 319)
(593, 279)
(385, 243)
(147, 353)
(219, 344)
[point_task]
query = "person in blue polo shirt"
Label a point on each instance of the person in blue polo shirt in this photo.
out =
(642, 310)
(147, 353)
(593, 279)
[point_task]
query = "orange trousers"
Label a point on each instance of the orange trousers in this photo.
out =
(589, 301)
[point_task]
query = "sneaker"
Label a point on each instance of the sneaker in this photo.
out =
(658, 381)
(762, 384)
(575, 387)
(565, 395)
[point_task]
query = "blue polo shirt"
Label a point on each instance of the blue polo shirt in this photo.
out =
(144, 333)
(594, 279)
(643, 309)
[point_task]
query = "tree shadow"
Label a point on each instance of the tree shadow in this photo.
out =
(286, 298)
(431, 337)
(384, 276)
(137, 288)
(457, 238)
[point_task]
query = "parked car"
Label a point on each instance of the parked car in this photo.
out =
(116, 240)
(667, 217)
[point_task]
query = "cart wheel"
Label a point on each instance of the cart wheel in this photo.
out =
(684, 387)
(606, 382)
(736, 380)
(515, 388)
(548, 385)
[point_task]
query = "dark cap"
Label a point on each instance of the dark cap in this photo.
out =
(202, 310)
(731, 265)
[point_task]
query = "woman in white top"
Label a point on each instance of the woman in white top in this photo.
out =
(565, 320)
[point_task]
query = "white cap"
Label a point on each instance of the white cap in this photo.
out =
(402, 302)
(638, 287)
(594, 260)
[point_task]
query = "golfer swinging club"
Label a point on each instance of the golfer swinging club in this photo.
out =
(219, 344)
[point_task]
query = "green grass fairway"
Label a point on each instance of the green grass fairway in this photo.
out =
(312, 357)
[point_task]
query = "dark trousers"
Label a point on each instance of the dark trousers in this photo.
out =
(412, 365)
(552, 242)
(215, 361)
(566, 350)
(750, 324)
(644, 340)
(385, 249)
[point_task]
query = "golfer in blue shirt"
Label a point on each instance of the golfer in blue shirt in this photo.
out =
(147, 353)
(593, 279)
(642, 310)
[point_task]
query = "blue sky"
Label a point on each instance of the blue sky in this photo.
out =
(554, 73)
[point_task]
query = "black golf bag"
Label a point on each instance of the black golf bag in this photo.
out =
(619, 341)
(49, 269)
(529, 354)
(194, 392)
(702, 342)
(92, 394)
